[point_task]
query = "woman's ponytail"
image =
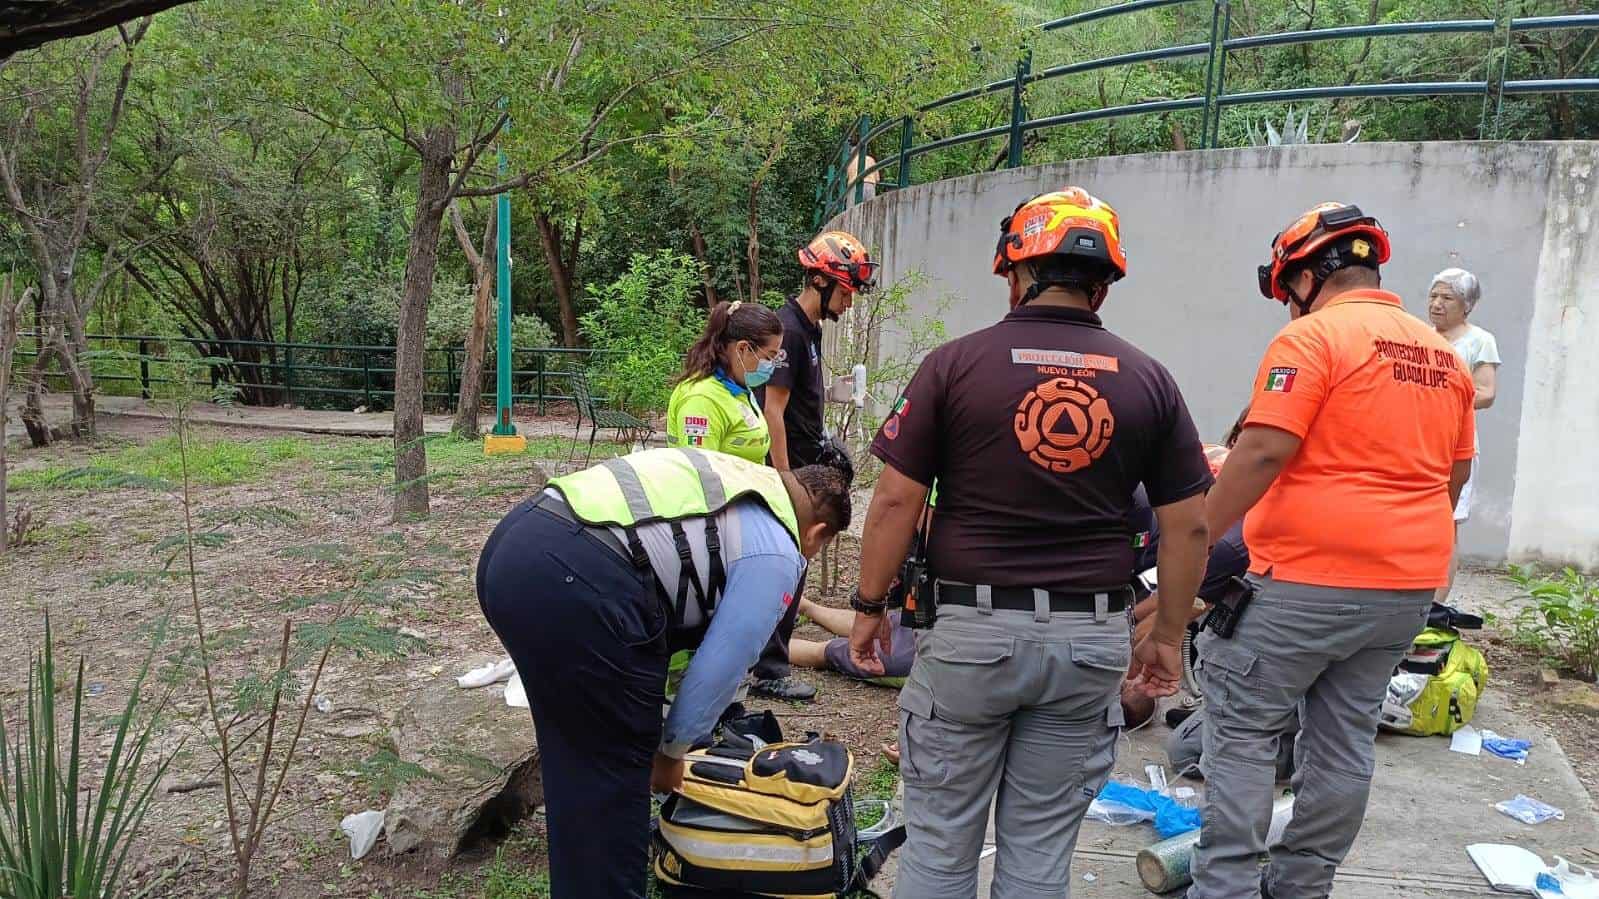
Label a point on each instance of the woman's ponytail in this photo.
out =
(728, 323)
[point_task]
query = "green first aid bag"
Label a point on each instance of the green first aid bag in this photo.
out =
(1436, 688)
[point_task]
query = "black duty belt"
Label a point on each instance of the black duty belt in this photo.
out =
(1022, 599)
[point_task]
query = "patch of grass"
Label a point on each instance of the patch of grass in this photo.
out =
(879, 783)
(506, 880)
(213, 462)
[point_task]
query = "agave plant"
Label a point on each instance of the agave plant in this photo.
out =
(55, 844)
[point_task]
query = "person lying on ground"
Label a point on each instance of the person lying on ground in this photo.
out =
(833, 655)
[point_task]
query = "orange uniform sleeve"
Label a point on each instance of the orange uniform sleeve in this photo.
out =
(1291, 383)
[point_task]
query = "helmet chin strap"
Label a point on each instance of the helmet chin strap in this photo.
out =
(826, 293)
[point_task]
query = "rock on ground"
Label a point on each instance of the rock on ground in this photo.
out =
(484, 765)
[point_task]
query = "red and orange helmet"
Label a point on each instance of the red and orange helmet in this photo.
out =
(1334, 235)
(1068, 222)
(841, 256)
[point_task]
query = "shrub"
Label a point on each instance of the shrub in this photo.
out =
(641, 326)
(60, 838)
(1562, 624)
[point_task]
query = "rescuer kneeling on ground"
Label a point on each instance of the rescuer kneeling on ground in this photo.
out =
(595, 582)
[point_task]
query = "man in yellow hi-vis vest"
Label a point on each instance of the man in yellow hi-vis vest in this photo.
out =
(595, 582)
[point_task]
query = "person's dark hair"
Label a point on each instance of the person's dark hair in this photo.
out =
(835, 454)
(829, 495)
(1064, 271)
(727, 324)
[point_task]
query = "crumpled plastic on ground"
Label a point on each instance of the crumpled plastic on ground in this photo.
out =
(483, 675)
(515, 694)
(363, 830)
(1528, 810)
(1505, 748)
(1121, 804)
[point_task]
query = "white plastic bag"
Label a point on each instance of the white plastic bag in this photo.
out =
(363, 830)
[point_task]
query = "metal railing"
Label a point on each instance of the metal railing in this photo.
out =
(309, 373)
(845, 183)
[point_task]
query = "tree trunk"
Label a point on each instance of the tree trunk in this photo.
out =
(701, 253)
(10, 317)
(33, 420)
(560, 276)
(470, 400)
(421, 262)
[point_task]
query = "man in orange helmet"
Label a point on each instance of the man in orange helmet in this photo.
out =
(1038, 430)
(1358, 440)
(836, 267)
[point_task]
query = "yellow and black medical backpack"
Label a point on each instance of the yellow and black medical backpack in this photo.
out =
(778, 821)
(1436, 688)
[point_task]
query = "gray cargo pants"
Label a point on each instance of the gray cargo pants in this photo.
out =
(1024, 704)
(1332, 649)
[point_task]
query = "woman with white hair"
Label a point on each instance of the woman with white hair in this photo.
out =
(1452, 297)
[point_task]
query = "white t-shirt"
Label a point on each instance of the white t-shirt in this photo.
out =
(1478, 347)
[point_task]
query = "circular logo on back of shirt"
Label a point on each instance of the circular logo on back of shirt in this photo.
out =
(1063, 425)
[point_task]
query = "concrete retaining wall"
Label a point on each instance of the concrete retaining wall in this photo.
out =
(1196, 224)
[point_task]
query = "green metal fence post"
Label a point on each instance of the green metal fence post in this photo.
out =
(860, 159)
(144, 368)
(1221, 70)
(452, 386)
(366, 377)
(1018, 110)
(1210, 71)
(288, 374)
(827, 195)
(906, 133)
(539, 362)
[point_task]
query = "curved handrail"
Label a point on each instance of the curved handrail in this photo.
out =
(842, 179)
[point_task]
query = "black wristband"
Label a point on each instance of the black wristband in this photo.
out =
(865, 607)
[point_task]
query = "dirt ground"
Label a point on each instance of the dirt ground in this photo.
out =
(298, 520)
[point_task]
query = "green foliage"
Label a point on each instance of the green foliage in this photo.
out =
(879, 783)
(642, 324)
(360, 635)
(1562, 624)
(59, 838)
(383, 772)
(217, 462)
(506, 880)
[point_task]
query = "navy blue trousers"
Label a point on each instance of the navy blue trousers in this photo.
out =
(587, 632)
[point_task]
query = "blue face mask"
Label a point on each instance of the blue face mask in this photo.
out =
(761, 374)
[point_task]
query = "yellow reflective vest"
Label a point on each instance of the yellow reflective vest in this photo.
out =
(670, 485)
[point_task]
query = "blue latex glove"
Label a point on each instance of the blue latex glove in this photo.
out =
(1515, 750)
(1171, 818)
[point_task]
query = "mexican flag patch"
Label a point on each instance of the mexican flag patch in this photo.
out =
(1280, 380)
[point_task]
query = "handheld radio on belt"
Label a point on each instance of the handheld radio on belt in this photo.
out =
(914, 590)
(1230, 607)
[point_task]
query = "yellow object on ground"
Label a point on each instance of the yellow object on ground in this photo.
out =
(499, 444)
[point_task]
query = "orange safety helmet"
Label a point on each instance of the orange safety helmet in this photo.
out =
(841, 256)
(1069, 222)
(1331, 235)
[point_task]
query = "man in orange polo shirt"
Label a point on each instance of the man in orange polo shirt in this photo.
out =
(1358, 441)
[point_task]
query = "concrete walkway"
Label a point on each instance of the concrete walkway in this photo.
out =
(1427, 805)
(58, 409)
